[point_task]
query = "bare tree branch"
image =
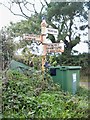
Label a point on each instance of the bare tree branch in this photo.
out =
(46, 2)
(24, 2)
(29, 9)
(12, 11)
(34, 8)
(22, 11)
(42, 7)
(26, 5)
(41, 3)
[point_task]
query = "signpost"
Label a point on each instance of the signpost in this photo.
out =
(52, 31)
(47, 48)
(55, 47)
(32, 37)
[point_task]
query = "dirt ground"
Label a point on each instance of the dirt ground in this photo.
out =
(85, 84)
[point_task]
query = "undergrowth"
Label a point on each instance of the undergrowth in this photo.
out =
(35, 97)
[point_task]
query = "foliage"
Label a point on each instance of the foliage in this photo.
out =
(31, 26)
(27, 57)
(62, 16)
(57, 105)
(7, 48)
(34, 97)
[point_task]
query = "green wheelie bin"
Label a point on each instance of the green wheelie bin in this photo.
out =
(66, 76)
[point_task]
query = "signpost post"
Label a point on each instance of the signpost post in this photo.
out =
(43, 37)
(47, 48)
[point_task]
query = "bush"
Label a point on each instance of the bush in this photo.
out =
(35, 97)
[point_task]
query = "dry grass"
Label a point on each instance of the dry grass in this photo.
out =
(84, 79)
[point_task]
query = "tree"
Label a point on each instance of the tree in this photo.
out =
(25, 26)
(62, 15)
(7, 48)
(26, 7)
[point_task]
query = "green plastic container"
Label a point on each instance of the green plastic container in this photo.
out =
(66, 76)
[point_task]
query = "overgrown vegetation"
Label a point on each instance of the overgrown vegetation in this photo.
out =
(33, 97)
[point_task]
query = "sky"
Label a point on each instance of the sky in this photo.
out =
(6, 17)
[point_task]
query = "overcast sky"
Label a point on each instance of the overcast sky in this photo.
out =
(6, 17)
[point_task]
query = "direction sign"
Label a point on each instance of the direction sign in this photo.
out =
(52, 31)
(55, 47)
(32, 37)
(54, 50)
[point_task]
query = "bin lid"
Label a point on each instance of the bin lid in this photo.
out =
(66, 67)
(70, 67)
